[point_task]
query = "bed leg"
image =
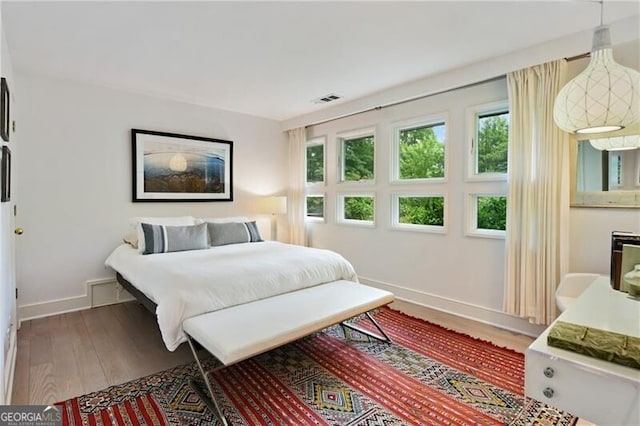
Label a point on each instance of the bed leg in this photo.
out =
(209, 400)
(383, 337)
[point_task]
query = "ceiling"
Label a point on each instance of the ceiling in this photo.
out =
(271, 59)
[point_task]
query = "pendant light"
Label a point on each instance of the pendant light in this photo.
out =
(616, 143)
(602, 98)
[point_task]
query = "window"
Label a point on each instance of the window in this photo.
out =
(488, 136)
(419, 212)
(356, 209)
(315, 206)
(487, 215)
(615, 170)
(315, 161)
(419, 150)
(489, 140)
(357, 156)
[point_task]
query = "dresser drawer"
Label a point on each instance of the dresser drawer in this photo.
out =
(590, 394)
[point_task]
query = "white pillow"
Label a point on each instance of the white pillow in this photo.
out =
(234, 219)
(135, 222)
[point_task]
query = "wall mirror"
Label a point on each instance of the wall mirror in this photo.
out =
(606, 178)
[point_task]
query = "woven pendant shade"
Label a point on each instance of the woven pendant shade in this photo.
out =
(604, 97)
(617, 143)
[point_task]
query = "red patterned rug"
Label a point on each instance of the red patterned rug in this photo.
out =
(428, 376)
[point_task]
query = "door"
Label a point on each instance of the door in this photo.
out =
(8, 314)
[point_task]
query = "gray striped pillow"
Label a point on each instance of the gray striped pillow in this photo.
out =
(164, 239)
(233, 233)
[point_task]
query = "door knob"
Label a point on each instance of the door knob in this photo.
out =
(19, 231)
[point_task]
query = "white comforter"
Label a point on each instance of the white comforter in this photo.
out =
(189, 283)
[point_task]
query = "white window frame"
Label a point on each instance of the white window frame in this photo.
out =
(472, 216)
(315, 142)
(324, 209)
(472, 134)
(355, 134)
(395, 214)
(340, 219)
(427, 121)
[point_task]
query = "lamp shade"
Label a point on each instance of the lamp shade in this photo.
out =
(617, 143)
(604, 97)
(275, 205)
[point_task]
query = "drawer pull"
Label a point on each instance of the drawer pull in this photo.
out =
(548, 372)
(548, 392)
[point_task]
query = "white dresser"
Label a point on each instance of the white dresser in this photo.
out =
(595, 390)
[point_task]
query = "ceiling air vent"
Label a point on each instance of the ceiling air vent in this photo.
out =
(326, 98)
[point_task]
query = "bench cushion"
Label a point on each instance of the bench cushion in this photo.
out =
(242, 331)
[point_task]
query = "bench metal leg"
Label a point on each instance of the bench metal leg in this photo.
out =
(210, 401)
(384, 337)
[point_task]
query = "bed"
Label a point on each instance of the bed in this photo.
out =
(185, 284)
(239, 300)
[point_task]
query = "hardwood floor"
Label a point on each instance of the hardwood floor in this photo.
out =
(495, 335)
(67, 355)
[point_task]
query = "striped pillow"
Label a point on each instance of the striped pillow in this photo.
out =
(164, 239)
(233, 233)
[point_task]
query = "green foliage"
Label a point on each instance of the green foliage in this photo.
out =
(315, 206)
(358, 158)
(358, 208)
(315, 163)
(421, 153)
(493, 143)
(492, 213)
(422, 210)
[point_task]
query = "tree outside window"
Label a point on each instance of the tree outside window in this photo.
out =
(358, 158)
(421, 152)
(491, 212)
(315, 163)
(421, 211)
(358, 208)
(493, 142)
(315, 206)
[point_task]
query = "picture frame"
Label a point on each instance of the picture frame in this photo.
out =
(5, 187)
(630, 258)
(4, 109)
(170, 167)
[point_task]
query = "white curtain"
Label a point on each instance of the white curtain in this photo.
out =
(296, 197)
(538, 195)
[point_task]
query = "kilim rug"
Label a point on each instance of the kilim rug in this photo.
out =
(428, 376)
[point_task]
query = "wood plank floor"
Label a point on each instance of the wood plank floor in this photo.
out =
(67, 355)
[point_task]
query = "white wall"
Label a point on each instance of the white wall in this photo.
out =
(74, 176)
(467, 278)
(590, 236)
(454, 272)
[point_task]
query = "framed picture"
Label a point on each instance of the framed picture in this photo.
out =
(4, 109)
(630, 258)
(6, 174)
(172, 167)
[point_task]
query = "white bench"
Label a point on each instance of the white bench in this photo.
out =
(243, 331)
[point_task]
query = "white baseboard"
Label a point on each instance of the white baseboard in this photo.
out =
(10, 365)
(462, 309)
(52, 307)
(107, 291)
(99, 292)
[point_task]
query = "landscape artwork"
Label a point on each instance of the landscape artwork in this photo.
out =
(172, 167)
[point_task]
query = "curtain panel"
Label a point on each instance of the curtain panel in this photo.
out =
(538, 195)
(297, 197)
